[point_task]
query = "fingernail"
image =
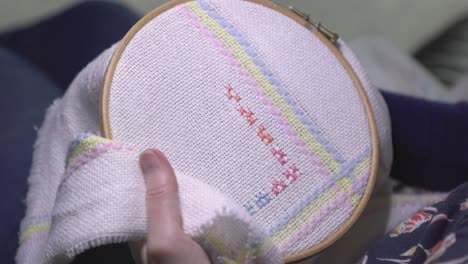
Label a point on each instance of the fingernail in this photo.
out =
(149, 161)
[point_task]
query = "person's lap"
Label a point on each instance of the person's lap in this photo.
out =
(435, 234)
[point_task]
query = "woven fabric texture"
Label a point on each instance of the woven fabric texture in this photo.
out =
(103, 179)
(273, 124)
(222, 94)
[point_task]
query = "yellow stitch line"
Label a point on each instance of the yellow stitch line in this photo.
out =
(33, 229)
(295, 223)
(344, 183)
(243, 58)
(313, 207)
(243, 255)
(355, 199)
(217, 243)
(238, 52)
(223, 250)
(246, 254)
(84, 145)
(250, 253)
(361, 167)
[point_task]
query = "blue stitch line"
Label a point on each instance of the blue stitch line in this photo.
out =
(356, 190)
(78, 137)
(83, 135)
(274, 82)
(262, 199)
(345, 170)
(250, 209)
(76, 140)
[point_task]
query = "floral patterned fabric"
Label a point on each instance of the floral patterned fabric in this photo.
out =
(435, 234)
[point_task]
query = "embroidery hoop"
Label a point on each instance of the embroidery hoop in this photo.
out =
(106, 129)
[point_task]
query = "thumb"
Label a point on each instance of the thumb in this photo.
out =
(162, 197)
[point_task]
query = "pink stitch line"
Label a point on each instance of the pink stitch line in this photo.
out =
(264, 99)
(278, 187)
(264, 136)
(92, 154)
(361, 181)
(292, 173)
(279, 154)
(347, 205)
(248, 115)
(231, 94)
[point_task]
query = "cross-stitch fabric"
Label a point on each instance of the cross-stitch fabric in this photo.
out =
(223, 228)
(86, 191)
(223, 94)
(249, 125)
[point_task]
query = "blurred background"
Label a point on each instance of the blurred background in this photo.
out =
(408, 23)
(435, 32)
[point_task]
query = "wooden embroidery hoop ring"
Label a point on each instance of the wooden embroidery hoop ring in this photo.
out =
(106, 130)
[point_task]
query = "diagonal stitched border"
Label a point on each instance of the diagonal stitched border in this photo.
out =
(272, 79)
(231, 44)
(247, 58)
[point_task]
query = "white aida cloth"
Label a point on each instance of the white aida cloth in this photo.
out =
(98, 197)
(220, 89)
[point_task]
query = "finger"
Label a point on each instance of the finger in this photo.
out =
(162, 197)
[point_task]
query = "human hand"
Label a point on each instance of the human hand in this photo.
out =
(166, 243)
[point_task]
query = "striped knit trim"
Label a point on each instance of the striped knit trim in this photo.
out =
(36, 219)
(94, 149)
(33, 229)
(33, 225)
(82, 143)
(83, 149)
(247, 57)
(78, 137)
